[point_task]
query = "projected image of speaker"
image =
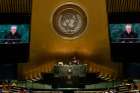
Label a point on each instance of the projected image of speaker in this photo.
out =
(14, 38)
(14, 34)
(124, 32)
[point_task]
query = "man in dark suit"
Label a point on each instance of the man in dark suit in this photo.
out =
(128, 36)
(13, 37)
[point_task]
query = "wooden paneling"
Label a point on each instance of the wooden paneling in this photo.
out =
(123, 5)
(15, 6)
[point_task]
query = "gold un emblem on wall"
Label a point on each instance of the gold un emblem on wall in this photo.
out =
(69, 21)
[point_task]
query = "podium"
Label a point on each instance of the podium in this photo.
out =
(69, 76)
(70, 70)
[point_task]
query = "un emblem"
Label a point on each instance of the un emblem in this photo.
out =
(69, 20)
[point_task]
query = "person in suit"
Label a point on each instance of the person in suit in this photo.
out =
(12, 37)
(128, 35)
